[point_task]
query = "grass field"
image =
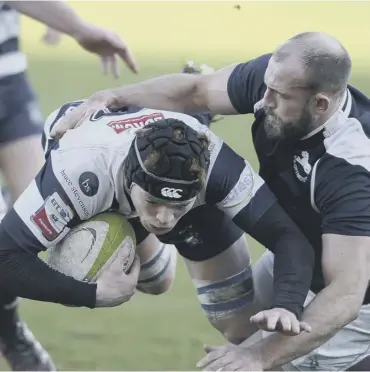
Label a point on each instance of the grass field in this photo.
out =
(167, 332)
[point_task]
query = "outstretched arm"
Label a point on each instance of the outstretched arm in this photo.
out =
(232, 90)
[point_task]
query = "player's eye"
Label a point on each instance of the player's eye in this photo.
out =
(151, 202)
(180, 207)
(284, 96)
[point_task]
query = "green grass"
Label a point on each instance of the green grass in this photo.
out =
(167, 332)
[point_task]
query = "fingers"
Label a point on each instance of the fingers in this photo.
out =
(104, 64)
(280, 320)
(305, 327)
(72, 120)
(51, 36)
(120, 48)
(295, 328)
(258, 318)
(271, 321)
(114, 67)
(209, 358)
(209, 349)
(126, 55)
(68, 121)
(220, 363)
(135, 268)
(109, 63)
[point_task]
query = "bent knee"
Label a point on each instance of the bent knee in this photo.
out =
(158, 273)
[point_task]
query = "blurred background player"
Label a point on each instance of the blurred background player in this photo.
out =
(21, 122)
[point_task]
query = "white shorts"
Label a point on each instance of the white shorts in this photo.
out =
(346, 348)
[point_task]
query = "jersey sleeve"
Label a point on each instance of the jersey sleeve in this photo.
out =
(68, 189)
(233, 186)
(246, 84)
(47, 142)
(340, 192)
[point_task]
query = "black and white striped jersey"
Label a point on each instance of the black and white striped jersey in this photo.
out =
(322, 180)
(83, 176)
(12, 60)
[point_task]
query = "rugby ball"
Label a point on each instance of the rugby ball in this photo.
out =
(90, 247)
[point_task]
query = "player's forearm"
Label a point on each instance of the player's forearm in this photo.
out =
(177, 92)
(330, 310)
(294, 258)
(25, 275)
(55, 14)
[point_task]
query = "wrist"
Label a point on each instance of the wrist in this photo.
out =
(79, 29)
(293, 303)
(111, 98)
(254, 353)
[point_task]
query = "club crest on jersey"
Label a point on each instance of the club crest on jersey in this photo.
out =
(52, 217)
(137, 122)
(302, 167)
(172, 193)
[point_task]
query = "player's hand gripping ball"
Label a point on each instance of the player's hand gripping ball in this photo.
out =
(93, 245)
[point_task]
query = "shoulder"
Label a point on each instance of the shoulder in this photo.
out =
(257, 66)
(246, 84)
(341, 177)
(348, 143)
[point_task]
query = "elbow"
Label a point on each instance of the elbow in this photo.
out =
(351, 305)
(354, 304)
(348, 297)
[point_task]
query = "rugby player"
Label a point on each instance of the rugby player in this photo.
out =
(310, 133)
(21, 123)
(175, 180)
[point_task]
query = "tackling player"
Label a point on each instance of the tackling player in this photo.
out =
(174, 179)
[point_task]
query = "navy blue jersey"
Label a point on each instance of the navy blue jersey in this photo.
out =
(322, 180)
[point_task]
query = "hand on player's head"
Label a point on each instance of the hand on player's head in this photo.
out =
(279, 320)
(74, 118)
(114, 286)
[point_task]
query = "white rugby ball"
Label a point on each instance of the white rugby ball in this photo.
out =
(91, 246)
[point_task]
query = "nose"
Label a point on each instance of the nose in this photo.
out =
(165, 215)
(269, 99)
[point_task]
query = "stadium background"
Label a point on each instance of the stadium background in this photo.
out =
(167, 332)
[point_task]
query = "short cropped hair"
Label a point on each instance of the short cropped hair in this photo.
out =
(325, 60)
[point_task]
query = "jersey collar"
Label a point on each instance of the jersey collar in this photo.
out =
(336, 120)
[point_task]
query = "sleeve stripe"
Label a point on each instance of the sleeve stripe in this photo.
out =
(256, 208)
(227, 169)
(244, 190)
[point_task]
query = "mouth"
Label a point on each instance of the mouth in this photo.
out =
(158, 230)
